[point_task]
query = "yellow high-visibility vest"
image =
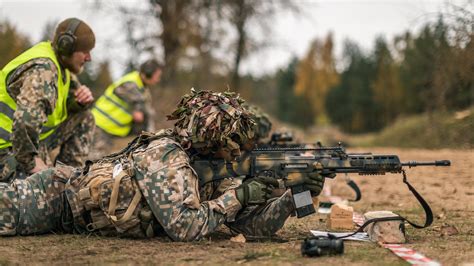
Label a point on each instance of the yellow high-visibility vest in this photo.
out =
(111, 113)
(8, 105)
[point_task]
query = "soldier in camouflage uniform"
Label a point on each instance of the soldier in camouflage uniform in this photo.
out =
(149, 188)
(44, 106)
(125, 108)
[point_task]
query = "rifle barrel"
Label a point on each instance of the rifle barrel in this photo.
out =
(435, 163)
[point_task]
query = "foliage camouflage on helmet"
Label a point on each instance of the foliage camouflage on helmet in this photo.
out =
(208, 119)
(263, 126)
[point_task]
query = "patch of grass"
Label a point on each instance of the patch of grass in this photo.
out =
(370, 253)
(253, 255)
(436, 130)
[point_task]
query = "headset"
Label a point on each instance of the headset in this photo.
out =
(66, 42)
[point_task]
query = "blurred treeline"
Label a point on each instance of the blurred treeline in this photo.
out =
(202, 44)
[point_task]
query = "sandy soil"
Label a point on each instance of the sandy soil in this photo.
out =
(449, 191)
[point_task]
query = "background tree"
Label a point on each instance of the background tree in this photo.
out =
(387, 88)
(350, 104)
(12, 43)
(292, 108)
(246, 17)
(48, 30)
(316, 74)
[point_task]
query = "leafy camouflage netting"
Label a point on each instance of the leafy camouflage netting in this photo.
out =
(207, 119)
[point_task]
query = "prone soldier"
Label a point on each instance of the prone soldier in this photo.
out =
(149, 188)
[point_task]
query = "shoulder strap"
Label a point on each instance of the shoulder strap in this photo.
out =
(143, 139)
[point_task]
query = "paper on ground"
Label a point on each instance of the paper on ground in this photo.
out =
(357, 237)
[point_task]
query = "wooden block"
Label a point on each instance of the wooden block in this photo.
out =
(340, 217)
(345, 224)
(341, 211)
(388, 232)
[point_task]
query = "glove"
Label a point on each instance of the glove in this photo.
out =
(314, 181)
(256, 190)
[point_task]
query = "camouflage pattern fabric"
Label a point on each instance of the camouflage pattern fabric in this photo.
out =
(266, 219)
(130, 93)
(35, 205)
(138, 101)
(73, 137)
(210, 120)
(149, 112)
(156, 176)
(33, 85)
(255, 220)
(170, 187)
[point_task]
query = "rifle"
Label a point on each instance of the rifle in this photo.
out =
(283, 162)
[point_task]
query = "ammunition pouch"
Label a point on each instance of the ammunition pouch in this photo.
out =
(108, 201)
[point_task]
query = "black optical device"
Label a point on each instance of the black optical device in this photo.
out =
(316, 247)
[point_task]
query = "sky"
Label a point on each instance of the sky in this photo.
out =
(360, 21)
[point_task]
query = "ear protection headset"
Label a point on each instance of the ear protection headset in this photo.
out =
(66, 42)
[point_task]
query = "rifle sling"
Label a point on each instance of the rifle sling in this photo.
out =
(352, 184)
(421, 200)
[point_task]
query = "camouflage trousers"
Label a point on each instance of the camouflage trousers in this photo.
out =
(264, 220)
(73, 138)
(35, 205)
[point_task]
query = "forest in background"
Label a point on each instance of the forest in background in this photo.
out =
(417, 72)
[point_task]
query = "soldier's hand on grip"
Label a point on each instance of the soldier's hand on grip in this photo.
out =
(256, 190)
(314, 181)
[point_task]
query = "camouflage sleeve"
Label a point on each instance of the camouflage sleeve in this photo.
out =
(170, 186)
(35, 101)
(130, 94)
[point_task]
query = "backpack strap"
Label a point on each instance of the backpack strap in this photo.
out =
(114, 197)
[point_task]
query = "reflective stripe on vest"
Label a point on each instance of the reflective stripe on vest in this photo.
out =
(111, 113)
(8, 105)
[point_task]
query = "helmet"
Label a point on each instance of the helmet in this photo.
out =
(212, 120)
(263, 126)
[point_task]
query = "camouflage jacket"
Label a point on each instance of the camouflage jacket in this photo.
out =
(34, 89)
(171, 188)
(139, 101)
(168, 185)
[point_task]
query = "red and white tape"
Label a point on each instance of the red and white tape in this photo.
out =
(407, 254)
(358, 218)
(410, 255)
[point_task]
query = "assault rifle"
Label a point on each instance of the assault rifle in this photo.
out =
(282, 163)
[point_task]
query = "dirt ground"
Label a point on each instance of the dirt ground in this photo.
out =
(449, 191)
